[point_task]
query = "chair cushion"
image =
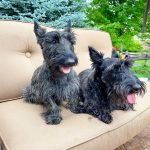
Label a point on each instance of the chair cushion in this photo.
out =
(23, 128)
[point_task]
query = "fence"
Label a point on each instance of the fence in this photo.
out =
(139, 56)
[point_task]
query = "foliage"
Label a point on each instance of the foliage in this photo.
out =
(141, 68)
(145, 38)
(142, 71)
(121, 18)
(51, 12)
(124, 41)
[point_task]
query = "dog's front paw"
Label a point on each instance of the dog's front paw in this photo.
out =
(74, 110)
(131, 106)
(52, 119)
(106, 118)
(77, 109)
(124, 107)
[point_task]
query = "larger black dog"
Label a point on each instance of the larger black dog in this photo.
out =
(109, 85)
(54, 81)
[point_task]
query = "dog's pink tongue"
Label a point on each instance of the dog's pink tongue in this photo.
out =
(131, 98)
(66, 70)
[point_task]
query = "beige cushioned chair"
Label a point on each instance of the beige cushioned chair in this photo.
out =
(21, 125)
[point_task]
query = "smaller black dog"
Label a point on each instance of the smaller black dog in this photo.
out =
(109, 85)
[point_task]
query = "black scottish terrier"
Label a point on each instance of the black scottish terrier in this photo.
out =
(109, 85)
(55, 80)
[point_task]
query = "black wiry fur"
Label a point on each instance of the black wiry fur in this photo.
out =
(105, 87)
(50, 85)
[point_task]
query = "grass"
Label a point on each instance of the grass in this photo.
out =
(141, 68)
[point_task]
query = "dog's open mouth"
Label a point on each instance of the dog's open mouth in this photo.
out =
(65, 69)
(131, 98)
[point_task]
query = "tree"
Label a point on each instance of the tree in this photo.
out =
(121, 18)
(146, 15)
(51, 12)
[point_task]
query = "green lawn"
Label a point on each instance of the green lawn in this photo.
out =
(141, 68)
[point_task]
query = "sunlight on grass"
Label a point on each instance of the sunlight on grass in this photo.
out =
(141, 68)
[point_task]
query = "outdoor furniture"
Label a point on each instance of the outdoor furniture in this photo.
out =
(21, 124)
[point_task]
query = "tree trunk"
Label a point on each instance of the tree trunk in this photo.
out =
(145, 16)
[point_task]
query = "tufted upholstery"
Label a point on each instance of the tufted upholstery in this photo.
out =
(21, 125)
(20, 55)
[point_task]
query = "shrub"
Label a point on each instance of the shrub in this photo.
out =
(51, 12)
(121, 18)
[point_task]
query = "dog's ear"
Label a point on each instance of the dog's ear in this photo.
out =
(96, 57)
(39, 32)
(128, 63)
(70, 34)
(71, 37)
(68, 26)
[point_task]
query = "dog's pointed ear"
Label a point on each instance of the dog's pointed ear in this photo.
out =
(70, 35)
(96, 57)
(68, 26)
(39, 32)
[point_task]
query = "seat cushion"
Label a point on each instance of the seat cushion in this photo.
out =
(23, 128)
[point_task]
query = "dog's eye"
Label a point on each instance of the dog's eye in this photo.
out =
(54, 41)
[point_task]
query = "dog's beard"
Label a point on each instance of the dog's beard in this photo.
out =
(124, 94)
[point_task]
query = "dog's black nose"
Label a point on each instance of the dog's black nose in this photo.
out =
(70, 62)
(136, 87)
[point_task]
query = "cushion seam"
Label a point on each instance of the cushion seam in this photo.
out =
(4, 143)
(10, 99)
